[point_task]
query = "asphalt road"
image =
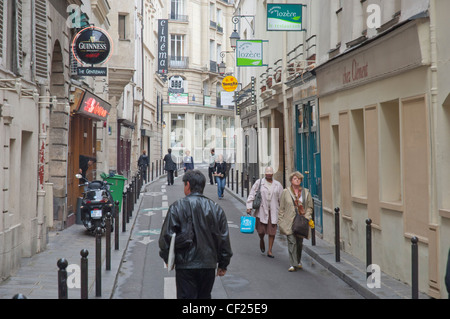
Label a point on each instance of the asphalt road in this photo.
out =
(251, 274)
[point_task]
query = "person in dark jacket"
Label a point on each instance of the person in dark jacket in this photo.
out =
(84, 163)
(220, 171)
(143, 163)
(169, 166)
(211, 249)
(188, 162)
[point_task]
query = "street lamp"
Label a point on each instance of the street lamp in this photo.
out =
(234, 38)
(235, 35)
(222, 66)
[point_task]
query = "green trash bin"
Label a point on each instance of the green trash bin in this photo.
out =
(117, 184)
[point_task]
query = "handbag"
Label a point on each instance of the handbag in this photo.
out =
(258, 197)
(300, 227)
(247, 224)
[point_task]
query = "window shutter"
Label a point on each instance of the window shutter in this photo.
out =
(41, 58)
(19, 48)
(1, 29)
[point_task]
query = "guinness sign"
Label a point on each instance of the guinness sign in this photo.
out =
(92, 45)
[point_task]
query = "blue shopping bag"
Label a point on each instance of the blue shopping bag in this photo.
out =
(248, 224)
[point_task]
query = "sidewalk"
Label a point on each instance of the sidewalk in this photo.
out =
(350, 269)
(37, 277)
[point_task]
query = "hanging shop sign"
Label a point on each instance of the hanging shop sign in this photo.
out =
(284, 17)
(230, 83)
(92, 46)
(178, 98)
(163, 46)
(94, 107)
(249, 53)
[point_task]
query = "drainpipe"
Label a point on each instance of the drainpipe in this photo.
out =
(434, 106)
(287, 126)
(43, 104)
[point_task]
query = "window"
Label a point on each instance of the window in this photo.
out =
(176, 9)
(177, 45)
(122, 27)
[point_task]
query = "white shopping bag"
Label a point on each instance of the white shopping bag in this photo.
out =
(171, 259)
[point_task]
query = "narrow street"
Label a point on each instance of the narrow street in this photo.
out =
(251, 275)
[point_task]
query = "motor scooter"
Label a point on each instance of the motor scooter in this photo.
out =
(96, 203)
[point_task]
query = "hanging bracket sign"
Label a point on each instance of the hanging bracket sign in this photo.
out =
(284, 17)
(92, 46)
(249, 53)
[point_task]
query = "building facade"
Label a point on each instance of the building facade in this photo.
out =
(44, 126)
(195, 120)
(361, 110)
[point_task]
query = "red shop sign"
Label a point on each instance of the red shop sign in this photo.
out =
(94, 107)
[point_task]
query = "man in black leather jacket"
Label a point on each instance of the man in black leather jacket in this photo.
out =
(195, 266)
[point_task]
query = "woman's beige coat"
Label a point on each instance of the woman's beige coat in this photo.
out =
(286, 213)
(263, 211)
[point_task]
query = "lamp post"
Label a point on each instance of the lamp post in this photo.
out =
(235, 35)
(222, 65)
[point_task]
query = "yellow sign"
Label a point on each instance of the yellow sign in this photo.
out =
(230, 83)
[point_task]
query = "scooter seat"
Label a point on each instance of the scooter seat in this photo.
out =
(95, 185)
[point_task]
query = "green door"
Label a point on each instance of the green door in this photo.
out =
(308, 154)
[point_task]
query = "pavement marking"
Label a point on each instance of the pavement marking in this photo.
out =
(164, 197)
(164, 213)
(149, 214)
(156, 208)
(146, 240)
(148, 232)
(154, 193)
(170, 288)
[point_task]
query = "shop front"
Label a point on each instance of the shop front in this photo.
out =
(376, 147)
(87, 112)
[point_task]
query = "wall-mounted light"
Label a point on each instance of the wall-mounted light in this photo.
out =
(235, 35)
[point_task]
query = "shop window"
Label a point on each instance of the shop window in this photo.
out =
(390, 168)
(358, 156)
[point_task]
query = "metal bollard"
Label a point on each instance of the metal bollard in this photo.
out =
(98, 262)
(62, 278)
(415, 268)
(108, 241)
(237, 181)
(368, 246)
(116, 225)
(19, 296)
(242, 184)
(84, 273)
(129, 201)
(232, 179)
(337, 235)
(152, 171)
(247, 184)
(124, 210)
(313, 230)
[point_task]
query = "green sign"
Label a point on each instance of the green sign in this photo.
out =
(284, 17)
(249, 53)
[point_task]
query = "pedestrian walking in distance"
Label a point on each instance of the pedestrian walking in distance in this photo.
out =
(143, 163)
(267, 214)
(169, 166)
(212, 164)
(188, 161)
(195, 266)
(301, 198)
(220, 171)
